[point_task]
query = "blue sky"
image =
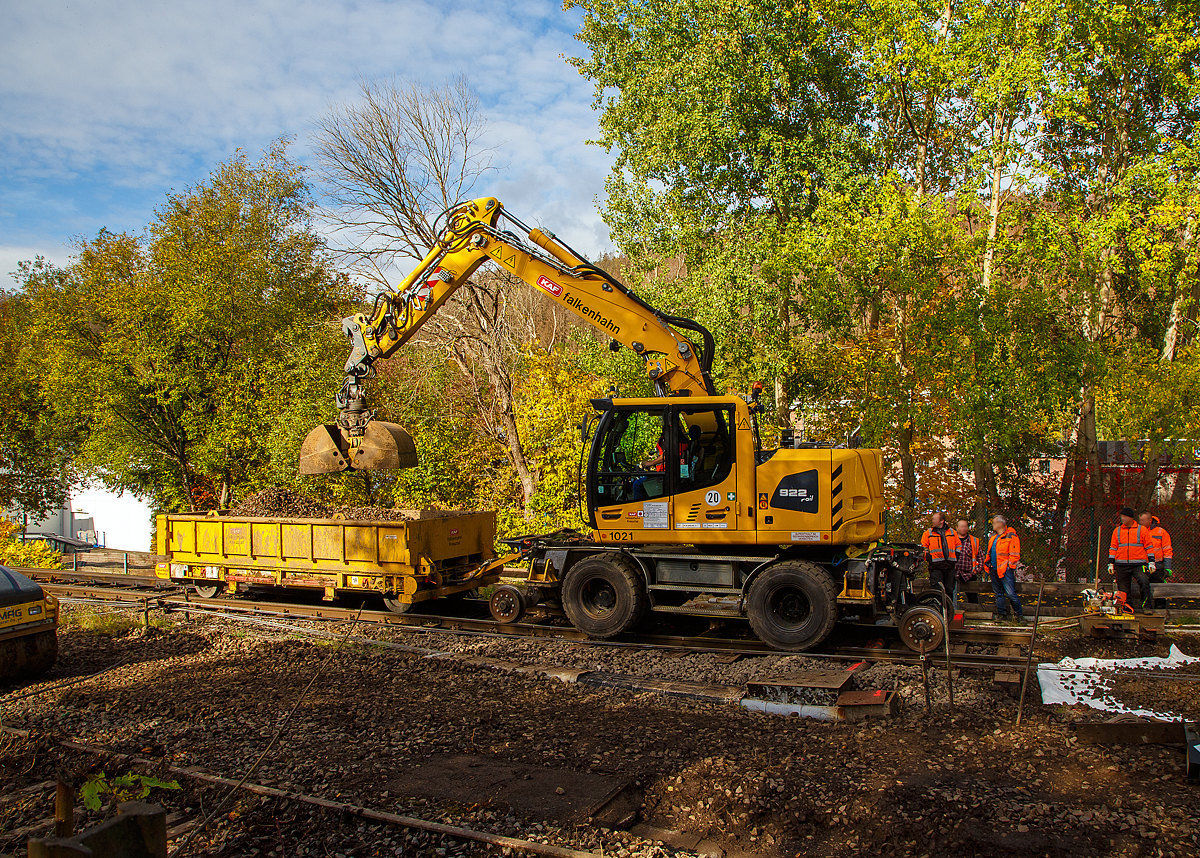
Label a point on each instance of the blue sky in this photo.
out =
(106, 107)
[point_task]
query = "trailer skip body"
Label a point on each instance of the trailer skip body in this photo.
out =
(431, 555)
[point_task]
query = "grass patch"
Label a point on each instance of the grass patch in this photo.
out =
(105, 622)
(109, 622)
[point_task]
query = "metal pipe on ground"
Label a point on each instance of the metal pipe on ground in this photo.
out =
(1037, 615)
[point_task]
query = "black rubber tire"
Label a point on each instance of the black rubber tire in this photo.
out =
(604, 595)
(28, 656)
(207, 591)
(398, 607)
(792, 605)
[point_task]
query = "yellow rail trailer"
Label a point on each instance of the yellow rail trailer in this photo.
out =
(427, 556)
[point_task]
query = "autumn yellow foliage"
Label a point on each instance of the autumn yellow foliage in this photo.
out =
(29, 555)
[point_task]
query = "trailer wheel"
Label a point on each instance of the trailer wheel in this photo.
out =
(604, 596)
(207, 591)
(398, 607)
(507, 604)
(792, 605)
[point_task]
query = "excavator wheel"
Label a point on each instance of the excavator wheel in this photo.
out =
(508, 604)
(922, 629)
(792, 605)
(383, 446)
(604, 596)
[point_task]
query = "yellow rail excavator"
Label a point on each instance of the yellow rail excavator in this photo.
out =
(688, 513)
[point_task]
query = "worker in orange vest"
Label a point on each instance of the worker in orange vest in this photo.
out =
(1130, 552)
(1164, 555)
(940, 544)
(1002, 558)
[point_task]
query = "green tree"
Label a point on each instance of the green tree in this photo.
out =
(36, 444)
(178, 350)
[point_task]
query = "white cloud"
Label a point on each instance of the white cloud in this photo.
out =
(10, 256)
(142, 96)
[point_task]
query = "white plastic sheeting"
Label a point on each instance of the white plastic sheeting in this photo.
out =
(1083, 680)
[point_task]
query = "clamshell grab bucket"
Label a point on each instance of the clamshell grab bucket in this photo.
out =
(383, 446)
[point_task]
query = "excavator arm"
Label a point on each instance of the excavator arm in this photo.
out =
(677, 352)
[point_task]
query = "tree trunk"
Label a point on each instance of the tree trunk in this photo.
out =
(782, 406)
(1000, 136)
(980, 510)
(1064, 491)
(1148, 484)
(1090, 451)
(908, 471)
(501, 384)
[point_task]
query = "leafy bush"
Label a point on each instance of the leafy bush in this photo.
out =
(30, 555)
(124, 788)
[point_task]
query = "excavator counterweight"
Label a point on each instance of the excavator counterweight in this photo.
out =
(330, 448)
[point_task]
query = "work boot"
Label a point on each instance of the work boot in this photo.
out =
(1000, 618)
(1021, 621)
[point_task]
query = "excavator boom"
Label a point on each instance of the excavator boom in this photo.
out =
(473, 233)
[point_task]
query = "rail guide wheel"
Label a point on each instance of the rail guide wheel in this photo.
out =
(508, 604)
(922, 629)
(208, 591)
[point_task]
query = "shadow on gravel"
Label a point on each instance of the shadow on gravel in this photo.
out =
(82, 652)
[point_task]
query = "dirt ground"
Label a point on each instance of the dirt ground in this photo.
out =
(527, 756)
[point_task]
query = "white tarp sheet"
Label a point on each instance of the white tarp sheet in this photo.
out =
(1082, 680)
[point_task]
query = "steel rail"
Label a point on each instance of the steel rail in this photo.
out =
(490, 628)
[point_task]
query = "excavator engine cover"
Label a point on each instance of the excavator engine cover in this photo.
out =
(382, 446)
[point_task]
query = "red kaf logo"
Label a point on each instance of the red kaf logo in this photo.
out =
(550, 286)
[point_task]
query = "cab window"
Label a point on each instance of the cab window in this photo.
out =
(633, 463)
(707, 452)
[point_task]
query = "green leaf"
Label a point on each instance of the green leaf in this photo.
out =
(92, 791)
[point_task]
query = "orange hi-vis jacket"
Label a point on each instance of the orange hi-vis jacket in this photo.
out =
(1008, 551)
(932, 542)
(1161, 541)
(1131, 545)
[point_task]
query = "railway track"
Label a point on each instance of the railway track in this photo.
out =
(173, 599)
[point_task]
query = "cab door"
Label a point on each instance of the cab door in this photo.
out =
(626, 495)
(704, 499)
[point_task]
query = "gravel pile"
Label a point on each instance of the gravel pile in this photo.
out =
(926, 783)
(1175, 690)
(281, 503)
(285, 503)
